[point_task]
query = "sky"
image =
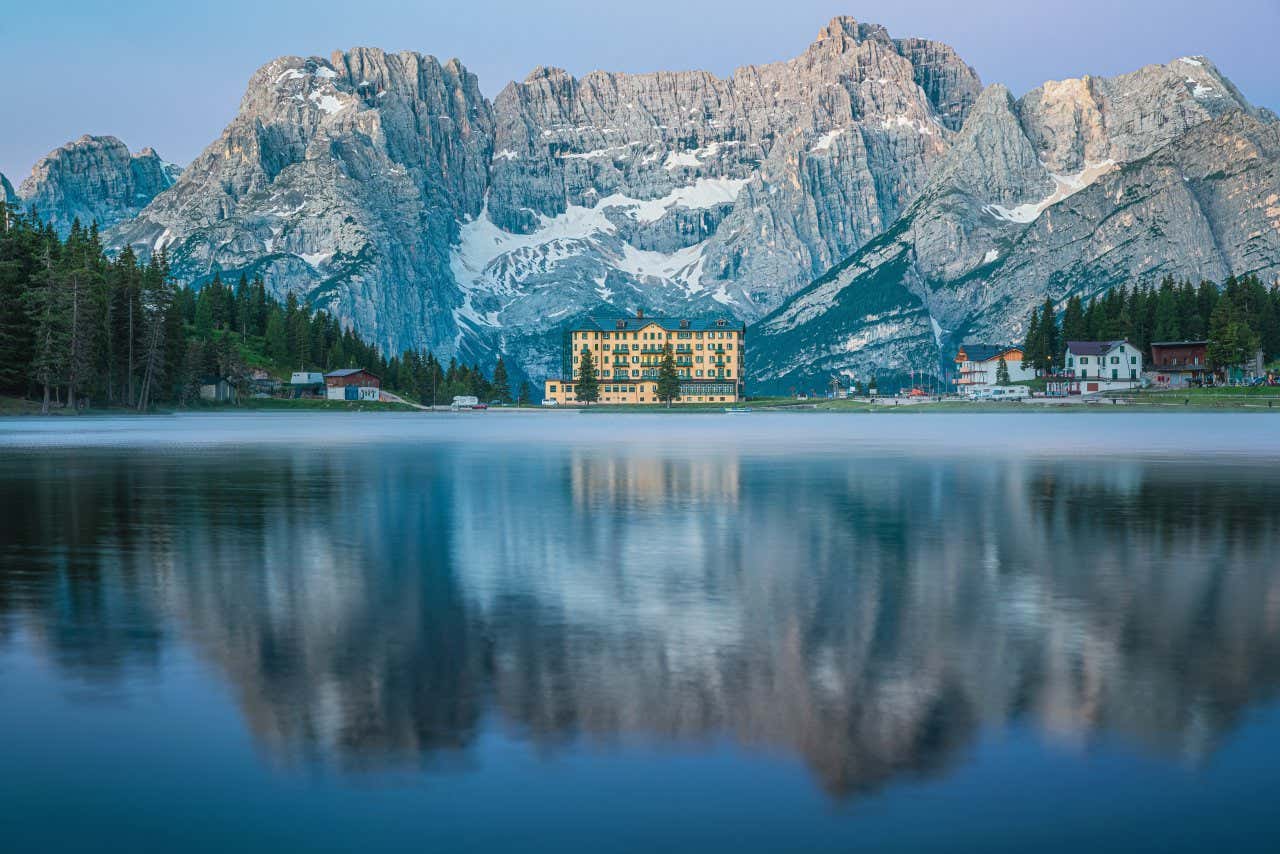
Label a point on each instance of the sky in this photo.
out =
(170, 75)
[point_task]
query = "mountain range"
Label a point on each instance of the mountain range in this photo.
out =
(864, 206)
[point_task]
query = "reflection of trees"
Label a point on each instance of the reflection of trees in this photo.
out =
(867, 615)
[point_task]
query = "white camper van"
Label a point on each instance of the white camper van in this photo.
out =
(1009, 392)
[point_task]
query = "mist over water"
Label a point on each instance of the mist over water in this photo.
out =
(620, 632)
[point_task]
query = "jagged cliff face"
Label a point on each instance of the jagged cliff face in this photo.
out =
(387, 190)
(1077, 187)
(685, 192)
(341, 180)
(94, 179)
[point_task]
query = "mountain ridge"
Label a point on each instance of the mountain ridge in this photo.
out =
(386, 189)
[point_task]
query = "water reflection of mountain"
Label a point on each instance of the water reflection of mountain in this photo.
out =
(867, 615)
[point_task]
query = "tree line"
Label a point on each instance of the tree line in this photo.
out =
(79, 327)
(1236, 320)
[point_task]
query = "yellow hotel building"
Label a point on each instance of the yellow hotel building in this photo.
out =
(628, 352)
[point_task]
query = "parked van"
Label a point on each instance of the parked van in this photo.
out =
(1009, 392)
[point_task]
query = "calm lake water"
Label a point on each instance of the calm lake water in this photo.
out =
(552, 631)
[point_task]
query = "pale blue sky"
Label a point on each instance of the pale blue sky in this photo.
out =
(170, 74)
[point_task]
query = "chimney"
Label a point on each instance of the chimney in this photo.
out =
(639, 314)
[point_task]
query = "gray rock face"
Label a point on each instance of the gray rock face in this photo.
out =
(1079, 186)
(749, 185)
(341, 180)
(385, 189)
(95, 179)
(7, 193)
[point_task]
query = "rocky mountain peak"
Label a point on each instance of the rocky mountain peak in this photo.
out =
(843, 31)
(867, 197)
(7, 193)
(95, 179)
(1079, 186)
(1090, 120)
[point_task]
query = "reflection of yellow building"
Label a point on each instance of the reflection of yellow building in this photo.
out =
(710, 481)
(628, 353)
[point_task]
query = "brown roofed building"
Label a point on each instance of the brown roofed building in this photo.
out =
(1178, 364)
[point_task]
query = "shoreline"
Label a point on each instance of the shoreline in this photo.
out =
(17, 408)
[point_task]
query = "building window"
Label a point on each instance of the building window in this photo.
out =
(552, 390)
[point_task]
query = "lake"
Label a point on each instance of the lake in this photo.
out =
(550, 631)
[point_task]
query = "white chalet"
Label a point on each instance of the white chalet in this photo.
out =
(977, 365)
(1097, 366)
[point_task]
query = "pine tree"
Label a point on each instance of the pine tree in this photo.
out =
(668, 377)
(1168, 313)
(1073, 323)
(525, 394)
(157, 304)
(277, 341)
(1050, 353)
(18, 255)
(501, 384)
(47, 310)
(1032, 347)
(1223, 337)
(1002, 372)
(587, 385)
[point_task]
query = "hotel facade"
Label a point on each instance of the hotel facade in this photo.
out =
(628, 352)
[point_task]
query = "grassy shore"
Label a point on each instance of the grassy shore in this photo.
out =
(23, 406)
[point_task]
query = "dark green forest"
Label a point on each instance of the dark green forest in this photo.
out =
(1238, 319)
(80, 329)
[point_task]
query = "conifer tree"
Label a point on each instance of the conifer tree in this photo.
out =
(1032, 352)
(46, 308)
(18, 253)
(668, 377)
(1168, 326)
(1002, 372)
(1224, 344)
(587, 385)
(1073, 323)
(501, 383)
(1049, 350)
(277, 341)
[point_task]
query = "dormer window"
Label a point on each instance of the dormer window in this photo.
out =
(684, 324)
(622, 324)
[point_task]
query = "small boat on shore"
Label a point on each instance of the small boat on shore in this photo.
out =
(736, 410)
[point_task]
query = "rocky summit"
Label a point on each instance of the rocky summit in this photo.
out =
(1077, 187)
(865, 205)
(94, 179)
(387, 189)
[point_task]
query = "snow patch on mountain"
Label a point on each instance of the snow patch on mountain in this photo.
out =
(683, 266)
(1065, 187)
(329, 103)
(824, 142)
(703, 193)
